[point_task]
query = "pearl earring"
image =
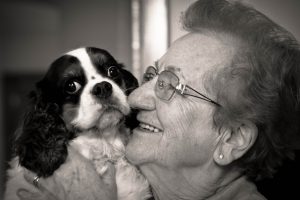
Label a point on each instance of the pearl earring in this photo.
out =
(221, 156)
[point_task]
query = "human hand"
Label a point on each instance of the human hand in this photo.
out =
(77, 179)
(47, 188)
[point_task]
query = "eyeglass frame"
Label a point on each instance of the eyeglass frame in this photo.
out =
(179, 88)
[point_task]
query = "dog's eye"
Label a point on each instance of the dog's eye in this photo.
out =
(72, 87)
(113, 71)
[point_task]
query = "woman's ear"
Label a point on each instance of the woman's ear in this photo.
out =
(235, 142)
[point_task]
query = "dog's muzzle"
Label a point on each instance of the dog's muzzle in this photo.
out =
(102, 90)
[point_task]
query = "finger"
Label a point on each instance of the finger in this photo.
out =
(40, 184)
(29, 176)
(111, 170)
(24, 194)
(109, 177)
(46, 193)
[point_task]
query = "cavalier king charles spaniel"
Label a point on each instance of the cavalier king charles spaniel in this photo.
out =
(81, 103)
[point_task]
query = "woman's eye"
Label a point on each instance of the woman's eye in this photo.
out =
(113, 71)
(72, 87)
(161, 84)
(148, 77)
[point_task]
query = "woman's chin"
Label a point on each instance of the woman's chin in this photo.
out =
(143, 147)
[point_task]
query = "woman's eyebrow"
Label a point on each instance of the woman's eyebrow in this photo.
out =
(173, 69)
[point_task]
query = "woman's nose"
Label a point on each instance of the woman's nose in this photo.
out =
(143, 98)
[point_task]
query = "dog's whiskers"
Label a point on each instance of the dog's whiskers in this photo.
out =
(129, 89)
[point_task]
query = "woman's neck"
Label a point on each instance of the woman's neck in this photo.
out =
(188, 183)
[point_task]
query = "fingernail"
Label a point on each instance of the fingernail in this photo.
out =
(22, 193)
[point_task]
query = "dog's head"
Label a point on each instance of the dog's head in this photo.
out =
(84, 89)
(90, 88)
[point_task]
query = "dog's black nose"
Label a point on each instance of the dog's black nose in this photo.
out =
(102, 90)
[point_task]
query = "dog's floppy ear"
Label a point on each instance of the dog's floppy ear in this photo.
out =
(131, 83)
(42, 143)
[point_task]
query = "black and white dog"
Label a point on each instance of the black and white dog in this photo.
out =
(81, 103)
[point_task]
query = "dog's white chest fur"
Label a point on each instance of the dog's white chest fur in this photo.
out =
(131, 185)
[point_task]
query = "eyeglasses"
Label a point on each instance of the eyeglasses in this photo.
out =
(168, 83)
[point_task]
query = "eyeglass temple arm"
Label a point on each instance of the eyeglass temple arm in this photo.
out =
(182, 87)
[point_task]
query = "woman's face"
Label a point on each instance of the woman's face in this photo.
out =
(179, 133)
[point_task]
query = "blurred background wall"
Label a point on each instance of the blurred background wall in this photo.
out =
(136, 32)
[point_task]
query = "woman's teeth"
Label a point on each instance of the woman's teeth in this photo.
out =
(149, 128)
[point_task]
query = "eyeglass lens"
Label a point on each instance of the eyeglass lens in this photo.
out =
(166, 84)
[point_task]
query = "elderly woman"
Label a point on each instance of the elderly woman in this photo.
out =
(220, 108)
